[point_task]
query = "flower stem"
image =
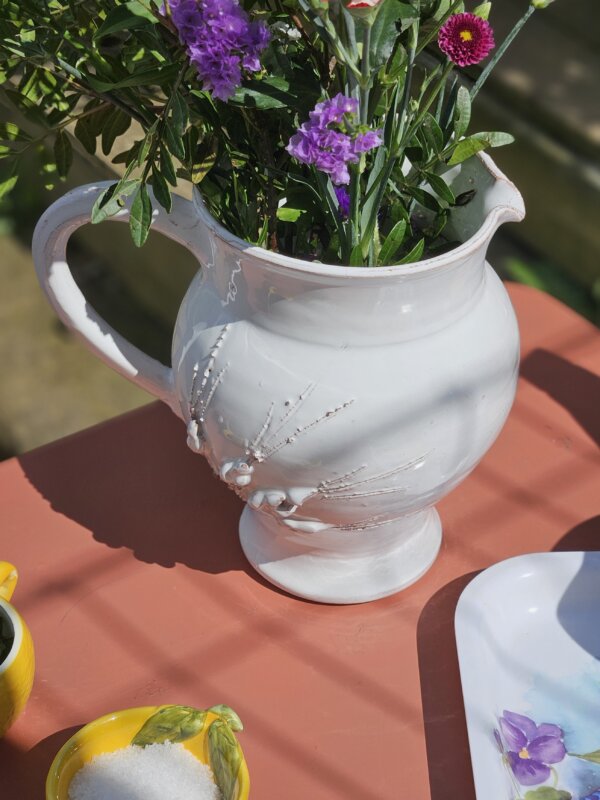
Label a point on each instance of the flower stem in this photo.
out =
(500, 52)
(438, 88)
(162, 123)
(365, 83)
(412, 49)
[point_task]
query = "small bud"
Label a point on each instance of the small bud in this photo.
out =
(541, 3)
(363, 8)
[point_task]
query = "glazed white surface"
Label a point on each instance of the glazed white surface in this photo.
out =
(528, 641)
(341, 403)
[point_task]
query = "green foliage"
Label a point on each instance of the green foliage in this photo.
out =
(86, 71)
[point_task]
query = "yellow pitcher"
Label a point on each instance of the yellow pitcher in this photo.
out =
(17, 663)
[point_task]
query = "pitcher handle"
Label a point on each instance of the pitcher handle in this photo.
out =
(8, 580)
(49, 247)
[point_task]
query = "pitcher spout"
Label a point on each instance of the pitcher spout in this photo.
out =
(505, 200)
(489, 200)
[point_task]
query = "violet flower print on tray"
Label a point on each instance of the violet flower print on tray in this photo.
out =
(528, 642)
(531, 754)
(531, 749)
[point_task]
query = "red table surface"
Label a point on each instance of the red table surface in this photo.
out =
(136, 592)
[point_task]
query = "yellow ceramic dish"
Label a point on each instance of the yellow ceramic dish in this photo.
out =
(112, 732)
(16, 671)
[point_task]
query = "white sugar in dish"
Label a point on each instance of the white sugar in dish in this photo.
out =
(155, 772)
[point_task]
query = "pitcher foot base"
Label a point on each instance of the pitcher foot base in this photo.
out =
(342, 567)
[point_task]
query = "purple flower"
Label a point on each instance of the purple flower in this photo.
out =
(343, 199)
(333, 111)
(220, 41)
(466, 39)
(593, 796)
(330, 141)
(367, 141)
(530, 748)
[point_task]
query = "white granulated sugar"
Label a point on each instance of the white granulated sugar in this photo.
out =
(156, 772)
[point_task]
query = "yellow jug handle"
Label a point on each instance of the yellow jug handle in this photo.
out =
(8, 579)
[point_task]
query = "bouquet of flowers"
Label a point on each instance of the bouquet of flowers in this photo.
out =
(323, 129)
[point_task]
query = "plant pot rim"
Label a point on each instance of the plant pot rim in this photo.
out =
(10, 614)
(500, 213)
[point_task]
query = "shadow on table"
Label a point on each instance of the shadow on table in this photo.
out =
(448, 756)
(575, 388)
(147, 493)
(585, 536)
(23, 774)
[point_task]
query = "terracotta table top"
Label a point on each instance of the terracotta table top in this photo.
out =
(136, 592)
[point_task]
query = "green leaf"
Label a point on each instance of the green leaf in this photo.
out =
(162, 191)
(179, 114)
(594, 757)
(415, 254)
(462, 112)
(115, 125)
(483, 10)
(225, 757)
(69, 68)
(155, 76)
(140, 217)
(144, 148)
(379, 174)
(229, 715)
(125, 17)
(440, 187)
(166, 166)
(464, 198)
(272, 92)
(356, 257)
(9, 132)
(433, 134)
(63, 153)
(384, 32)
(204, 159)
(465, 149)
(496, 138)
(112, 200)
(174, 141)
(85, 133)
(98, 119)
(127, 156)
(444, 6)
(425, 199)
(547, 793)
(286, 214)
(393, 242)
(171, 723)
(8, 178)
(479, 141)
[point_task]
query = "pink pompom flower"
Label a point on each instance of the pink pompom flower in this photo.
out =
(466, 39)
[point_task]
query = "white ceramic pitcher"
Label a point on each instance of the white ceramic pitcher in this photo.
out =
(339, 402)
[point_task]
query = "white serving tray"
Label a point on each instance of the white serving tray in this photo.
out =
(528, 638)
